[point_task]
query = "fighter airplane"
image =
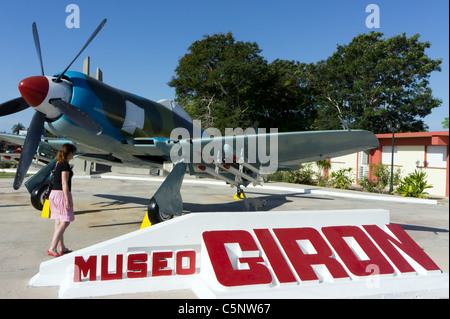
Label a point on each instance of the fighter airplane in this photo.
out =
(115, 127)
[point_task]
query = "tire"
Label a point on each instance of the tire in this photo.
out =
(38, 196)
(155, 215)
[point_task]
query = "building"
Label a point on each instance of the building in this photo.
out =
(425, 151)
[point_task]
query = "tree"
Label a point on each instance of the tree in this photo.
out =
(288, 104)
(445, 123)
(372, 81)
(217, 80)
(227, 83)
(17, 128)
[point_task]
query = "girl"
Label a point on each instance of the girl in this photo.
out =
(61, 203)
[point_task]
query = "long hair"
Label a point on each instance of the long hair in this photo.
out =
(64, 152)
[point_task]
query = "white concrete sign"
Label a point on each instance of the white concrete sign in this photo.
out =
(293, 254)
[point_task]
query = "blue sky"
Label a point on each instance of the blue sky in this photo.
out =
(139, 47)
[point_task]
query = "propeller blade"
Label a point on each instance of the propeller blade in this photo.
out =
(13, 106)
(29, 148)
(77, 116)
(86, 44)
(37, 44)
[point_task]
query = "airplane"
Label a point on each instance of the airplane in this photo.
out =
(111, 126)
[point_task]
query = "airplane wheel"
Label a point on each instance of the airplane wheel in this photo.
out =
(38, 196)
(155, 215)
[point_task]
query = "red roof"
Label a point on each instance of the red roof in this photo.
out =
(414, 134)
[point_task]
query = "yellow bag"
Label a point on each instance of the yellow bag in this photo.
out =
(46, 210)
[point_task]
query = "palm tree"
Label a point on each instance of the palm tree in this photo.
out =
(17, 128)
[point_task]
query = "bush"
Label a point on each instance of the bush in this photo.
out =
(413, 185)
(322, 178)
(8, 165)
(382, 180)
(370, 185)
(304, 175)
(341, 178)
(280, 176)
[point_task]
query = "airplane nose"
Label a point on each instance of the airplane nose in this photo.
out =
(34, 89)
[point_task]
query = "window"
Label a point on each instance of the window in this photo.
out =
(363, 165)
(363, 158)
(386, 157)
(437, 156)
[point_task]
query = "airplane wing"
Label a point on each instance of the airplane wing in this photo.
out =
(286, 150)
(237, 160)
(241, 159)
(297, 148)
(48, 147)
(11, 138)
(141, 152)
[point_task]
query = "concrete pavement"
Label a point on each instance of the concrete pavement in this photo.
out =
(110, 205)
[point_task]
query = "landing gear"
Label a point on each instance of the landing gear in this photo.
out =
(155, 215)
(239, 194)
(38, 196)
(167, 201)
(38, 185)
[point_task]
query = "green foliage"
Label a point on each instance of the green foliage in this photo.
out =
(217, 78)
(322, 178)
(372, 81)
(280, 176)
(368, 82)
(370, 185)
(304, 175)
(7, 175)
(382, 178)
(323, 165)
(341, 178)
(445, 123)
(17, 128)
(227, 83)
(8, 164)
(413, 185)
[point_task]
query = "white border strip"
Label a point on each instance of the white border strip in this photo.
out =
(335, 193)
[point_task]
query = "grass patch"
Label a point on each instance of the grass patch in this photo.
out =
(10, 175)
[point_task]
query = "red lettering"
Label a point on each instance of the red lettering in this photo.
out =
(405, 243)
(85, 268)
(137, 266)
(279, 265)
(160, 262)
(303, 262)
(105, 275)
(349, 252)
(190, 255)
(225, 273)
(293, 253)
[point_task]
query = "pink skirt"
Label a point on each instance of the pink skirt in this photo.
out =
(58, 207)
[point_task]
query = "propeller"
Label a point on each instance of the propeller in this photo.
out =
(82, 49)
(34, 91)
(19, 104)
(13, 106)
(29, 148)
(77, 116)
(37, 44)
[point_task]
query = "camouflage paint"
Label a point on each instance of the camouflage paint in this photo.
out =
(108, 106)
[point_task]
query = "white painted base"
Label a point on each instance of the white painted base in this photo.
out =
(185, 233)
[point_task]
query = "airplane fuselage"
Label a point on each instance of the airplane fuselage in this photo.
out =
(124, 117)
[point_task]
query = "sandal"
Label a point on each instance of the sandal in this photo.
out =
(66, 251)
(53, 254)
